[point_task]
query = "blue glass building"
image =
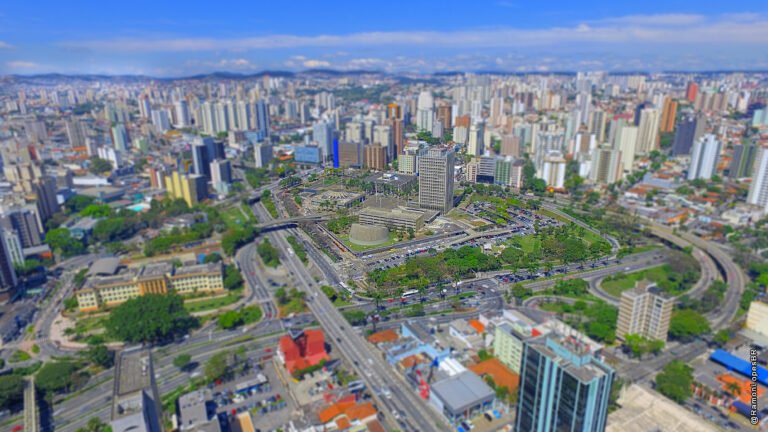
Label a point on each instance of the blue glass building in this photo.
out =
(563, 386)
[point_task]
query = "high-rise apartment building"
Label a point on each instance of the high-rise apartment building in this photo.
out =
(644, 311)
(262, 154)
(704, 157)
(190, 188)
(322, 133)
(564, 385)
(668, 114)
(606, 165)
(690, 129)
(758, 190)
(691, 91)
(743, 161)
(510, 145)
(436, 180)
(221, 175)
(425, 114)
(648, 130)
(375, 157)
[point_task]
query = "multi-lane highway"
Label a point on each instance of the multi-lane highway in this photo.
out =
(403, 408)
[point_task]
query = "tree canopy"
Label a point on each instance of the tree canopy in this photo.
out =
(675, 381)
(687, 324)
(150, 318)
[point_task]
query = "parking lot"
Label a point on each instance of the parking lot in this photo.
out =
(259, 392)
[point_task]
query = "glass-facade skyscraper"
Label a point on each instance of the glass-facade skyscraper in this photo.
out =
(564, 387)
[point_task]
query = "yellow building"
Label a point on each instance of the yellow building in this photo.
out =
(190, 188)
(157, 278)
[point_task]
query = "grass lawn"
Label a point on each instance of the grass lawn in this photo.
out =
(248, 212)
(294, 306)
(623, 282)
(553, 215)
(529, 243)
(234, 217)
(19, 356)
(197, 305)
(88, 324)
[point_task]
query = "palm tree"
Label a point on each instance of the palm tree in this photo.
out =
(733, 388)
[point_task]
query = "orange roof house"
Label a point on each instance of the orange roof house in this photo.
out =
(388, 335)
(477, 325)
(347, 414)
(302, 350)
(500, 374)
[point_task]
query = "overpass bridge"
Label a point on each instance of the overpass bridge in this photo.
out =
(31, 409)
(275, 223)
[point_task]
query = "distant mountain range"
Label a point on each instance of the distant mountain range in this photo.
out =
(222, 75)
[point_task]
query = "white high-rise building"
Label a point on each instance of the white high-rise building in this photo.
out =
(553, 171)
(626, 142)
(182, 114)
(382, 135)
(648, 130)
(161, 120)
(425, 114)
(476, 144)
(704, 157)
(119, 137)
(758, 190)
(243, 116)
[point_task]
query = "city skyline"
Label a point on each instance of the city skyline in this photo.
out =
(504, 36)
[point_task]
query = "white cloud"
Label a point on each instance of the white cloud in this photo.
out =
(666, 29)
(316, 63)
(5, 45)
(21, 64)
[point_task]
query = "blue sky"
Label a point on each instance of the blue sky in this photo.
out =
(163, 38)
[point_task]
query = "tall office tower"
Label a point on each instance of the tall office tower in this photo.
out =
(425, 115)
(639, 109)
(120, 138)
(503, 174)
(606, 165)
(262, 154)
(743, 160)
(691, 91)
(145, 110)
(597, 124)
(445, 115)
(645, 311)
(221, 175)
(322, 133)
(12, 244)
(136, 404)
(704, 157)
(648, 130)
(553, 170)
(203, 153)
(486, 169)
(182, 114)
(564, 385)
(668, 115)
(354, 132)
(475, 142)
(243, 116)
(45, 192)
(690, 129)
(262, 117)
(382, 135)
(24, 222)
(758, 190)
(510, 145)
(375, 157)
(75, 133)
(161, 120)
(8, 279)
(436, 179)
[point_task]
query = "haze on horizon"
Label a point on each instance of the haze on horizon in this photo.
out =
(181, 39)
